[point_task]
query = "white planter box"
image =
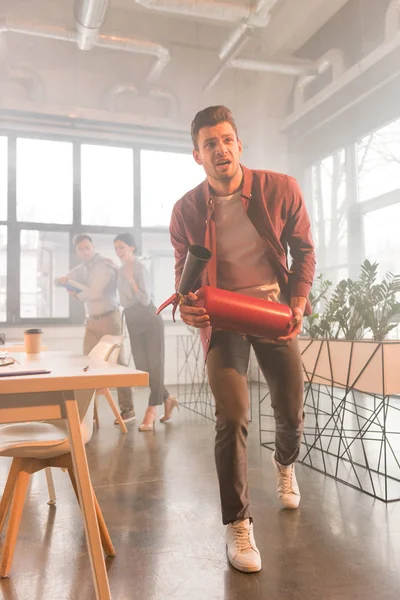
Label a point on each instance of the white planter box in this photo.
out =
(363, 365)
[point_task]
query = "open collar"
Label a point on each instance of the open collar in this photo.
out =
(245, 192)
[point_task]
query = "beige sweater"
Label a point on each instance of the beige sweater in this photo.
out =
(242, 261)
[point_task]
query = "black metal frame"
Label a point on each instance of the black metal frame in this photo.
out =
(14, 227)
(349, 438)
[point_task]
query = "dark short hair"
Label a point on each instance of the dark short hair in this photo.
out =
(81, 237)
(212, 115)
(127, 238)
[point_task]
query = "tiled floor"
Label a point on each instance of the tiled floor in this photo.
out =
(159, 496)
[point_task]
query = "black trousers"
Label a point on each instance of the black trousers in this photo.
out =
(146, 334)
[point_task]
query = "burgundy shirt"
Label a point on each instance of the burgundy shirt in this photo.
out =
(275, 205)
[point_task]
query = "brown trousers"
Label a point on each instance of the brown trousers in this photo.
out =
(109, 325)
(227, 364)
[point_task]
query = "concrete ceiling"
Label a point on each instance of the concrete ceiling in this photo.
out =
(194, 45)
(293, 22)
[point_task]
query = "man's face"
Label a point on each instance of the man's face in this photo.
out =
(218, 151)
(85, 250)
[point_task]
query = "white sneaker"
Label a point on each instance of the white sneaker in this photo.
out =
(243, 553)
(127, 416)
(287, 488)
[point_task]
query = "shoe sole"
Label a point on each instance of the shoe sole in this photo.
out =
(244, 569)
(288, 507)
(126, 420)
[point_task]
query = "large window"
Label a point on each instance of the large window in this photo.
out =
(379, 192)
(165, 177)
(107, 186)
(44, 181)
(379, 162)
(3, 272)
(104, 245)
(60, 187)
(382, 240)
(3, 178)
(356, 205)
(44, 256)
(158, 257)
(330, 215)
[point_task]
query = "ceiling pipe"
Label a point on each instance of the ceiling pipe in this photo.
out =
(270, 66)
(334, 59)
(260, 16)
(167, 95)
(120, 88)
(341, 76)
(89, 17)
(234, 40)
(222, 66)
(162, 54)
(110, 42)
(115, 91)
(38, 30)
(224, 12)
(392, 20)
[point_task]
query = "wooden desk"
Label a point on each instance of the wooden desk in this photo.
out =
(16, 348)
(51, 396)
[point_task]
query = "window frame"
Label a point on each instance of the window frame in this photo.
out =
(14, 227)
(355, 209)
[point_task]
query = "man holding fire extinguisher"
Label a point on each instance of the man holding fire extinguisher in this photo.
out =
(249, 220)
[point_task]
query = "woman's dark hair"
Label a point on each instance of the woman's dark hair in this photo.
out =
(127, 238)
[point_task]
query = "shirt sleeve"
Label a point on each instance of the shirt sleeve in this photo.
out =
(102, 275)
(142, 281)
(299, 239)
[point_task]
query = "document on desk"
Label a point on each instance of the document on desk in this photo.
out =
(18, 371)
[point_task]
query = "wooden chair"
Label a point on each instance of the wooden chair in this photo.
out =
(40, 445)
(117, 340)
(97, 352)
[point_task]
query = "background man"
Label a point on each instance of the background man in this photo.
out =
(99, 275)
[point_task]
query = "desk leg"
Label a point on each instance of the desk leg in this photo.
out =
(81, 471)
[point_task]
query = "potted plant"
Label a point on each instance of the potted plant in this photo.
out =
(352, 376)
(356, 309)
(347, 330)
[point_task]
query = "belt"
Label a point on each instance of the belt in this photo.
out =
(102, 315)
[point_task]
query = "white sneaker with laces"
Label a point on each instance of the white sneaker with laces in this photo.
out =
(243, 553)
(287, 488)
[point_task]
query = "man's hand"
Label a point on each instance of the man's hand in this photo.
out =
(64, 280)
(193, 316)
(297, 323)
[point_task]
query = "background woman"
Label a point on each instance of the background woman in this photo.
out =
(146, 329)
